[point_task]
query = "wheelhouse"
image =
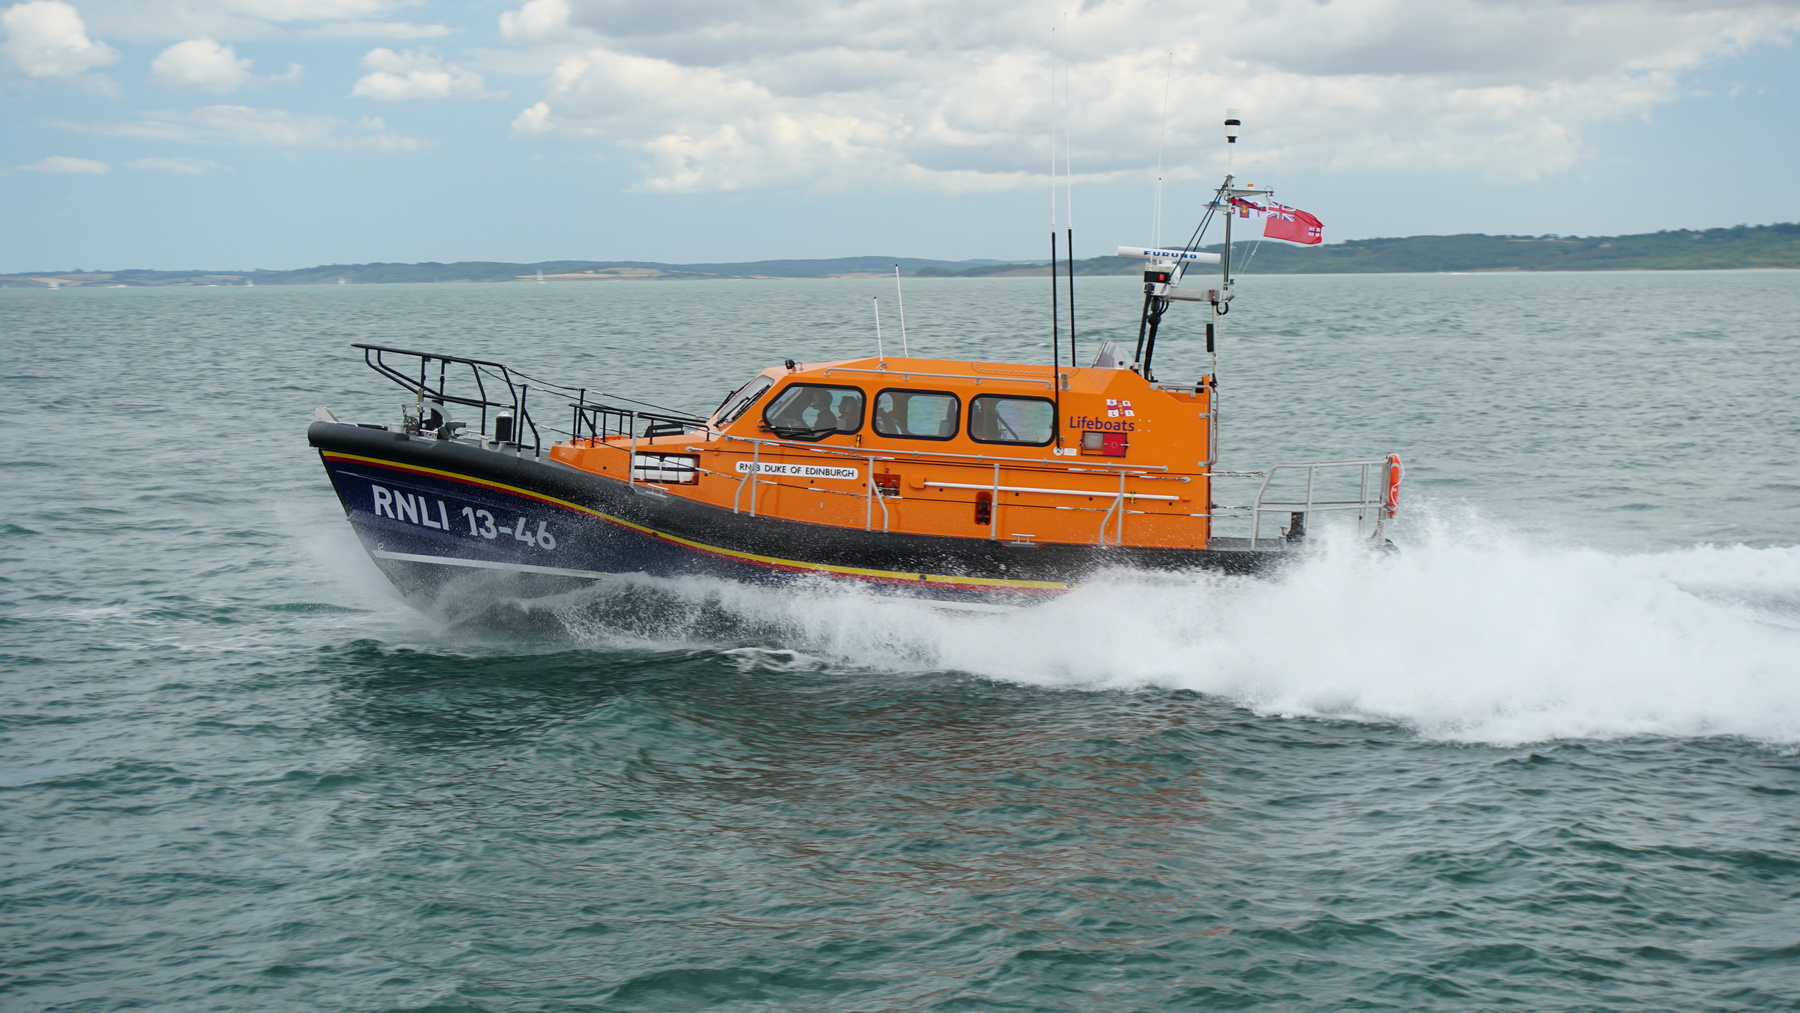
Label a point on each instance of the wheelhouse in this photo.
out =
(943, 447)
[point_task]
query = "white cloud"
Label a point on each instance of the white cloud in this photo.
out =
(380, 29)
(165, 21)
(315, 10)
(272, 128)
(541, 22)
(183, 166)
(201, 65)
(533, 120)
(741, 96)
(65, 164)
(395, 77)
(47, 39)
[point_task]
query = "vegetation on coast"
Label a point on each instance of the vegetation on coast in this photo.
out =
(1742, 246)
(1739, 247)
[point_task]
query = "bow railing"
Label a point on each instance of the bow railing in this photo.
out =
(500, 399)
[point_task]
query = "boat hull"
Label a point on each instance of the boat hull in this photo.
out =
(438, 513)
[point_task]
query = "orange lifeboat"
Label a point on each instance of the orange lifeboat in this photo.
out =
(970, 483)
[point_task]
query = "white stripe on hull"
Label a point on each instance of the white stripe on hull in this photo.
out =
(485, 564)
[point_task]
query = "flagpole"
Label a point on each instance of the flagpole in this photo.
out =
(1232, 124)
(1223, 304)
(1225, 259)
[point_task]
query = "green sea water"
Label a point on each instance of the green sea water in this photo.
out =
(1547, 757)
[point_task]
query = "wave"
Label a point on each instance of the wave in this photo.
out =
(1469, 634)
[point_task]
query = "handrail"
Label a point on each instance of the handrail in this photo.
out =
(907, 374)
(599, 419)
(1114, 515)
(1365, 504)
(861, 452)
(1047, 492)
(439, 392)
(874, 495)
(602, 422)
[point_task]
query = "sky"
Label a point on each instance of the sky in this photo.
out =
(236, 134)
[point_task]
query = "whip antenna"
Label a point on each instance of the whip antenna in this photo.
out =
(1161, 140)
(1068, 181)
(1053, 137)
(901, 296)
(1068, 132)
(1055, 309)
(879, 354)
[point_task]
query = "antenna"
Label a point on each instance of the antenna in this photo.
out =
(1068, 135)
(1232, 123)
(1055, 311)
(880, 355)
(1161, 140)
(1068, 183)
(898, 294)
(1053, 138)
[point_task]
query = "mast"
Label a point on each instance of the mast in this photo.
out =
(1223, 306)
(1169, 266)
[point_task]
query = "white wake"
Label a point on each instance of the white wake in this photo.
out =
(1465, 635)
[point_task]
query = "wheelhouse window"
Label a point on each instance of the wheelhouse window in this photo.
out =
(995, 418)
(917, 414)
(740, 400)
(807, 411)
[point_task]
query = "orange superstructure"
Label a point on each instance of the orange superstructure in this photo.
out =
(943, 447)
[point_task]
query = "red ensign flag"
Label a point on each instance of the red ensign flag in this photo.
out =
(1293, 225)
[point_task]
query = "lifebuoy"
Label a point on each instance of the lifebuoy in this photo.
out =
(1394, 471)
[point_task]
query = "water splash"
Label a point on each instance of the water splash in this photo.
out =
(1470, 635)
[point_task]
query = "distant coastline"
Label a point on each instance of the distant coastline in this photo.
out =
(1743, 246)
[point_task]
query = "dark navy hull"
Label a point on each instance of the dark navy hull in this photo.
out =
(436, 513)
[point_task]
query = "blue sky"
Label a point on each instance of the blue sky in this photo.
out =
(285, 133)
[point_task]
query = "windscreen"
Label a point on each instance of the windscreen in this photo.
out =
(807, 411)
(743, 398)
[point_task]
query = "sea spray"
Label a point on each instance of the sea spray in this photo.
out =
(1468, 634)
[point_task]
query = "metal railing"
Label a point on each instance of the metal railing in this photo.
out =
(1112, 522)
(1303, 488)
(457, 380)
(603, 422)
(493, 388)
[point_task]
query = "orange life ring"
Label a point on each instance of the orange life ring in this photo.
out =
(1394, 471)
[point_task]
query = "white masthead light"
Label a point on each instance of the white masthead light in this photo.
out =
(1232, 123)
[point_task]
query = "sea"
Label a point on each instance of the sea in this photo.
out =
(1546, 756)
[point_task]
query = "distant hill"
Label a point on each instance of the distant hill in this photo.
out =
(493, 271)
(1738, 247)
